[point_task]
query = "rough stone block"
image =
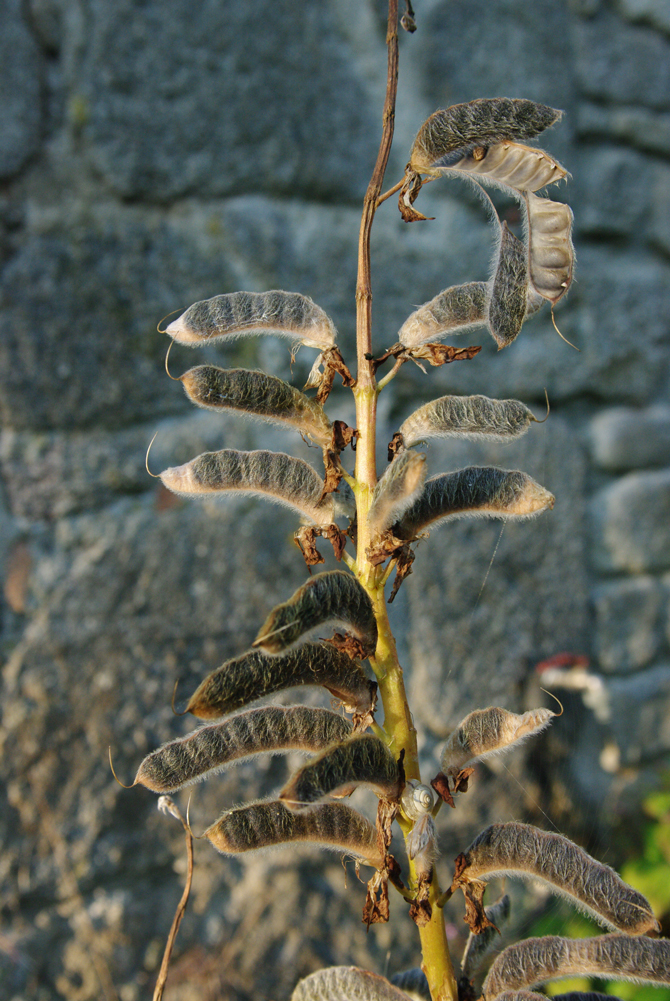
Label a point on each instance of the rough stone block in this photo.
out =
(660, 223)
(20, 97)
(623, 439)
(640, 714)
(631, 524)
(614, 192)
(613, 62)
(653, 12)
(629, 623)
(645, 129)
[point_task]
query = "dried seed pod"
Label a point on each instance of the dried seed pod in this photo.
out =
(551, 254)
(397, 490)
(489, 731)
(417, 799)
(238, 682)
(277, 477)
(457, 309)
(521, 850)
(240, 313)
(258, 395)
(509, 289)
(363, 760)
(478, 947)
(210, 749)
(608, 957)
(477, 491)
(470, 416)
(269, 825)
(339, 982)
(331, 597)
(510, 166)
(413, 983)
(484, 122)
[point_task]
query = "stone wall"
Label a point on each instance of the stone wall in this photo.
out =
(156, 153)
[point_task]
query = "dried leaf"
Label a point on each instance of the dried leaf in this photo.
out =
(478, 946)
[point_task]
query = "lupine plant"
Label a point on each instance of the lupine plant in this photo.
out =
(324, 633)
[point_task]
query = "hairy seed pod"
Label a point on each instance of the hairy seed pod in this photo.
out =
(521, 850)
(483, 122)
(608, 957)
(478, 492)
(470, 416)
(509, 289)
(509, 166)
(277, 477)
(254, 675)
(570, 996)
(331, 597)
(457, 309)
(212, 748)
(422, 844)
(363, 760)
(240, 313)
(268, 825)
(551, 254)
(337, 983)
(258, 395)
(417, 799)
(397, 490)
(413, 983)
(478, 947)
(489, 731)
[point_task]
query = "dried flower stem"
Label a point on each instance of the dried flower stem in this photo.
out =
(398, 726)
(179, 913)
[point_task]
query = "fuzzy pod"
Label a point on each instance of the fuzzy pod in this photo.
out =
(470, 416)
(258, 395)
(276, 477)
(413, 983)
(268, 825)
(363, 760)
(241, 681)
(457, 309)
(608, 957)
(489, 731)
(210, 749)
(346, 983)
(550, 251)
(397, 490)
(237, 314)
(521, 850)
(479, 946)
(509, 289)
(478, 492)
(421, 844)
(331, 597)
(509, 166)
(483, 122)
(570, 996)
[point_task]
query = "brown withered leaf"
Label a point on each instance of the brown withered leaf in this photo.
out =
(376, 907)
(384, 545)
(361, 721)
(305, 538)
(421, 909)
(350, 645)
(441, 786)
(343, 435)
(337, 539)
(461, 780)
(396, 445)
(475, 915)
(460, 865)
(333, 472)
(466, 990)
(411, 187)
(442, 354)
(386, 814)
(403, 569)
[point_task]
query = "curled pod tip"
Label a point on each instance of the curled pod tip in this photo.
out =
(469, 416)
(524, 851)
(363, 760)
(332, 597)
(237, 314)
(257, 395)
(254, 675)
(489, 731)
(454, 311)
(477, 492)
(212, 748)
(279, 478)
(340, 982)
(273, 825)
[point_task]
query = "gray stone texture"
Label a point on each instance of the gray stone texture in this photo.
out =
(153, 155)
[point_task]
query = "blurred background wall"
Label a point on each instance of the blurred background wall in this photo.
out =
(157, 153)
